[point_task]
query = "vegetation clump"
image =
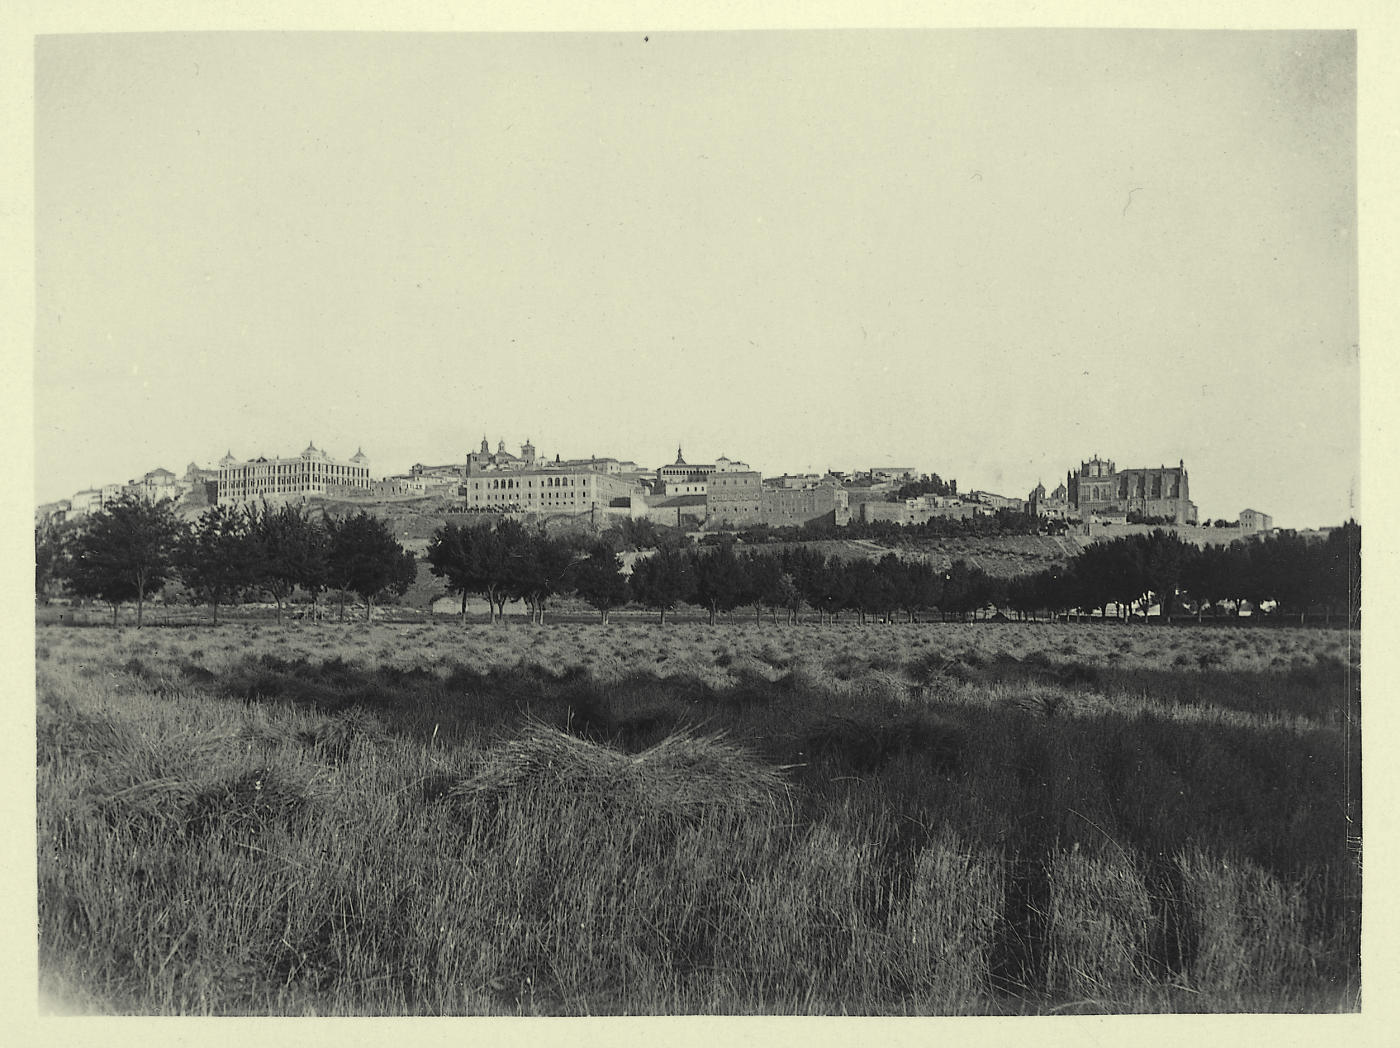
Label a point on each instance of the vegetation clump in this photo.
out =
(684, 776)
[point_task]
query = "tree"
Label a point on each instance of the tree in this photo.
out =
(495, 553)
(51, 556)
(539, 571)
(1341, 572)
(363, 558)
(217, 558)
(965, 589)
(872, 590)
(126, 552)
(452, 556)
(290, 549)
(720, 584)
(599, 580)
(829, 587)
(763, 575)
(663, 580)
(1295, 571)
(633, 534)
(1111, 572)
(928, 484)
(1164, 559)
(789, 597)
(1204, 577)
(1023, 595)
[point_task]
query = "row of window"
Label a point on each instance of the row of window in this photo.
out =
(294, 468)
(509, 484)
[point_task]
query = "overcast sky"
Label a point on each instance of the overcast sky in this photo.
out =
(989, 254)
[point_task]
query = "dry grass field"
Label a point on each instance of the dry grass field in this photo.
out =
(576, 819)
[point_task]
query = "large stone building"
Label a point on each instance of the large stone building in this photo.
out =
(1098, 488)
(824, 502)
(734, 498)
(547, 490)
(312, 474)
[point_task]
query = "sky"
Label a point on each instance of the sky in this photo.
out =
(987, 254)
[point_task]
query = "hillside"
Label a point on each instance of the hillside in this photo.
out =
(414, 519)
(1001, 557)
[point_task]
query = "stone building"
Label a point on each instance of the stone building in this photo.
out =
(920, 510)
(89, 500)
(784, 507)
(995, 501)
(1054, 506)
(159, 484)
(1099, 488)
(1254, 522)
(734, 498)
(312, 474)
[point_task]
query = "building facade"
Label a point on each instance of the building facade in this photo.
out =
(1054, 506)
(988, 498)
(785, 507)
(734, 498)
(568, 492)
(312, 474)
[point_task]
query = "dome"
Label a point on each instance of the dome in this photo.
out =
(359, 456)
(228, 459)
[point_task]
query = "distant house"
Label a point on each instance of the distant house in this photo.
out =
(987, 498)
(1251, 520)
(900, 474)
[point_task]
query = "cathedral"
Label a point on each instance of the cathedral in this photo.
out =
(1099, 487)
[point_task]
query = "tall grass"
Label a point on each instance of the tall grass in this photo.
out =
(287, 828)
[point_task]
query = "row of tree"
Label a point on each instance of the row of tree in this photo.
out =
(129, 551)
(1129, 574)
(1294, 574)
(132, 549)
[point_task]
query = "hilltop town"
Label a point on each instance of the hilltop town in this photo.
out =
(725, 494)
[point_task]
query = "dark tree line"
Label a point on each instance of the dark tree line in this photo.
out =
(1127, 574)
(1299, 577)
(508, 561)
(129, 551)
